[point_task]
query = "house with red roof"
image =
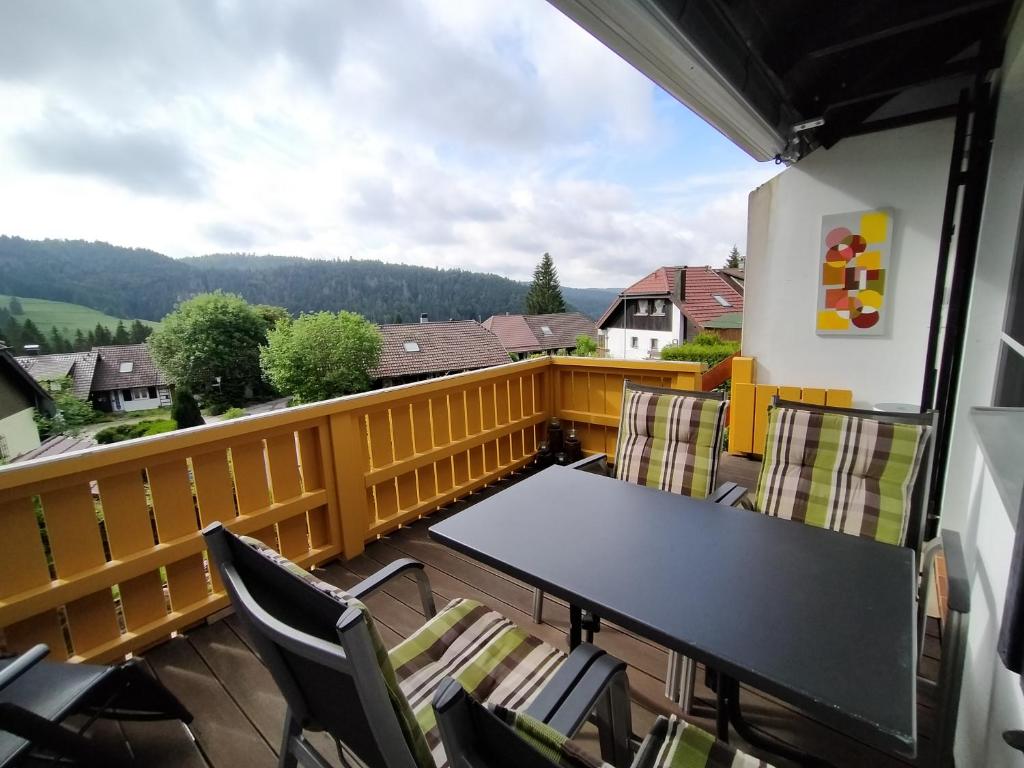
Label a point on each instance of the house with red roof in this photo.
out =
(670, 306)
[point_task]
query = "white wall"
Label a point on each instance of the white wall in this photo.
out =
(140, 403)
(991, 701)
(904, 169)
(619, 339)
(20, 432)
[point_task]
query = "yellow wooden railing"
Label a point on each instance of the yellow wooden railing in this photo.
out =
(100, 551)
(748, 421)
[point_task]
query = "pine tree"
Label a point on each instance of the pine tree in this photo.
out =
(15, 306)
(734, 260)
(30, 334)
(90, 340)
(121, 334)
(103, 336)
(139, 332)
(55, 343)
(545, 295)
(185, 409)
(80, 343)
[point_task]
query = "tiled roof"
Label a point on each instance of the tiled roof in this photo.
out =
(144, 372)
(80, 366)
(459, 345)
(56, 446)
(17, 377)
(698, 301)
(728, 320)
(525, 333)
(513, 331)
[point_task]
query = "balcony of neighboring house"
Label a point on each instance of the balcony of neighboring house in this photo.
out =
(102, 554)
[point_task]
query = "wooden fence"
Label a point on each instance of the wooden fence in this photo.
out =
(100, 551)
(748, 424)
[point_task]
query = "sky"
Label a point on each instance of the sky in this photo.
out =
(475, 134)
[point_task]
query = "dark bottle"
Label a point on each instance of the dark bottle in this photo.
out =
(573, 449)
(555, 438)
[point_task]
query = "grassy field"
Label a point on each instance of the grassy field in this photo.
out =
(68, 318)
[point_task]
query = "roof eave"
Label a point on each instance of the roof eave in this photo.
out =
(646, 38)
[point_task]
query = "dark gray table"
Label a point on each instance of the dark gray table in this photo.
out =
(821, 620)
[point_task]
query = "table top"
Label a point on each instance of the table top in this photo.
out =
(822, 620)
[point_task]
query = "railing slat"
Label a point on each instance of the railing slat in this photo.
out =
(214, 492)
(285, 483)
(251, 487)
(23, 565)
(42, 628)
(175, 515)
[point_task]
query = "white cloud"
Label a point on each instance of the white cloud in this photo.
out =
(447, 134)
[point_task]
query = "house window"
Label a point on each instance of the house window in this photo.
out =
(634, 342)
(411, 346)
(127, 367)
(126, 395)
(641, 307)
(140, 393)
(654, 345)
(659, 307)
(546, 330)
(152, 393)
(5, 452)
(721, 300)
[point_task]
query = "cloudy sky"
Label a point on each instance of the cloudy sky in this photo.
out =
(476, 134)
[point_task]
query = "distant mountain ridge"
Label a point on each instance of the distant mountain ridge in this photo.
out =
(137, 282)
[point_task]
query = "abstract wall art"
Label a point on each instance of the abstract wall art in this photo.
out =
(853, 295)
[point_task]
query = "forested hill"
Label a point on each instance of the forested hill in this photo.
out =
(134, 282)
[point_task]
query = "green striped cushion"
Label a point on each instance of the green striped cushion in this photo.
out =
(406, 718)
(675, 743)
(556, 747)
(491, 657)
(671, 442)
(846, 473)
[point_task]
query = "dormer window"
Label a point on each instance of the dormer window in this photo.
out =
(659, 307)
(411, 346)
(721, 300)
(127, 367)
(641, 307)
(546, 330)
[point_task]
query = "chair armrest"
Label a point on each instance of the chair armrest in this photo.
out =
(598, 464)
(959, 585)
(729, 494)
(574, 710)
(553, 695)
(399, 567)
(22, 664)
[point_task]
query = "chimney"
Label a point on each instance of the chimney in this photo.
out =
(424, 318)
(680, 291)
(31, 349)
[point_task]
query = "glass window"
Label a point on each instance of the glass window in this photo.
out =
(641, 307)
(659, 307)
(140, 393)
(546, 330)
(4, 450)
(126, 395)
(127, 367)
(411, 346)
(654, 345)
(635, 342)
(721, 300)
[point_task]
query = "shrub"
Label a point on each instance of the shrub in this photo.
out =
(234, 413)
(217, 408)
(694, 352)
(131, 431)
(185, 409)
(707, 339)
(585, 346)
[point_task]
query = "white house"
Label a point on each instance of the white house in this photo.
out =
(670, 306)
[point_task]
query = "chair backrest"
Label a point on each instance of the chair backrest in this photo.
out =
(475, 737)
(860, 472)
(670, 439)
(318, 650)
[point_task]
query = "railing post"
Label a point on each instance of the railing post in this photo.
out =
(351, 463)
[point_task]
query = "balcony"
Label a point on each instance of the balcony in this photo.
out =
(101, 554)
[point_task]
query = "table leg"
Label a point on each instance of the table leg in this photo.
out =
(722, 711)
(731, 700)
(575, 627)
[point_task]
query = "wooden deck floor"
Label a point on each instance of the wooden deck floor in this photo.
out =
(239, 712)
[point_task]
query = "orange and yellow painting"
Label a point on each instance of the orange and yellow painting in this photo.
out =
(854, 266)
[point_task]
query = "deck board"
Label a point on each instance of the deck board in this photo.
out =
(239, 712)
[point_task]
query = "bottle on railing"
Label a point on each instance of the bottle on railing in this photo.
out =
(555, 438)
(544, 458)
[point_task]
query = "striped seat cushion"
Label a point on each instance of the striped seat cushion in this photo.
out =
(414, 735)
(846, 473)
(556, 747)
(668, 441)
(492, 658)
(675, 743)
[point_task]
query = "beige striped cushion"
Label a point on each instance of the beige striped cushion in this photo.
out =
(671, 442)
(675, 743)
(846, 473)
(491, 657)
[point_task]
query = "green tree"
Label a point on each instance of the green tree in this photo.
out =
(121, 334)
(734, 260)
(321, 355)
(272, 315)
(211, 345)
(56, 342)
(139, 332)
(72, 414)
(545, 294)
(80, 344)
(14, 305)
(184, 409)
(585, 346)
(103, 337)
(30, 334)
